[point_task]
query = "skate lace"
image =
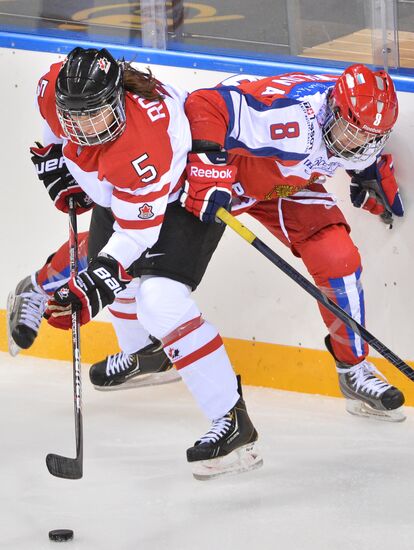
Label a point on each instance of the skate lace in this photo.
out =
(32, 309)
(364, 377)
(219, 428)
(118, 363)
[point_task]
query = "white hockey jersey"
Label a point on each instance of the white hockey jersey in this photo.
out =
(280, 117)
(137, 174)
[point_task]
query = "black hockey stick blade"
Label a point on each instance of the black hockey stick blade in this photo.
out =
(314, 291)
(64, 467)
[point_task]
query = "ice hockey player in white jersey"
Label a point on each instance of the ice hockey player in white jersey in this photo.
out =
(124, 139)
(281, 135)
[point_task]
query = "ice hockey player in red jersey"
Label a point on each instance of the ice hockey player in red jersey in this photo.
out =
(124, 139)
(283, 136)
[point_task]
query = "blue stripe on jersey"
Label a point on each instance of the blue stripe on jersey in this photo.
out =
(232, 143)
(257, 105)
(349, 295)
(53, 282)
(254, 103)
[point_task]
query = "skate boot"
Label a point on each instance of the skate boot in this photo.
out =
(25, 307)
(147, 367)
(367, 391)
(227, 448)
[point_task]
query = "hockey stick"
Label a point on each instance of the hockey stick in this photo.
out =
(369, 338)
(62, 466)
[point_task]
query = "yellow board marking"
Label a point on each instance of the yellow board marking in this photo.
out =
(260, 364)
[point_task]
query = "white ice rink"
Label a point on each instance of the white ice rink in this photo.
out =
(330, 481)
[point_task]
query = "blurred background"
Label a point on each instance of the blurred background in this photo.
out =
(379, 32)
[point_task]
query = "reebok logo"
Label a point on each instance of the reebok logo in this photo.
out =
(226, 174)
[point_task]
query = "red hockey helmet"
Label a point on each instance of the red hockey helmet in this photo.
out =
(364, 109)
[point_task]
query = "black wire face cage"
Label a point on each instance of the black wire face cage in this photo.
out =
(347, 141)
(94, 126)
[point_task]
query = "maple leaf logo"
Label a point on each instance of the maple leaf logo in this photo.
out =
(145, 212)
(173, 353)
(104, 64)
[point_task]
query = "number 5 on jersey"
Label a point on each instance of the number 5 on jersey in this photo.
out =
(142, 170)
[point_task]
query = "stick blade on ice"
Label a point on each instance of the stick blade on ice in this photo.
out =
(64, 467)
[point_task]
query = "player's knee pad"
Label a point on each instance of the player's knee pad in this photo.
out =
(164, 304)
(330, 254)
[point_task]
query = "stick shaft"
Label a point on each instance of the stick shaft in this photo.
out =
(77, 381)
(314, 291)
(58, 465)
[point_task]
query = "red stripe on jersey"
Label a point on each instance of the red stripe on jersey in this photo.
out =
(120, 315)
(208, 348)
(149, 197)
(125, 300)
(140, 224)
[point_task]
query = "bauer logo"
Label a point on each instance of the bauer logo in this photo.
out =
(50, 165)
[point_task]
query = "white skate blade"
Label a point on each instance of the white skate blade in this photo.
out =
(142, 380)
(240, 460)
(14, 349)
(359, 408)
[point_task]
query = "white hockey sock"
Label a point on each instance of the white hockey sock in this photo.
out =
(203, 363)
(131, 335)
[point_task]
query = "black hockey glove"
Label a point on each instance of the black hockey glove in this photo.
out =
(89, 292)
(53, 173)
(375, 189)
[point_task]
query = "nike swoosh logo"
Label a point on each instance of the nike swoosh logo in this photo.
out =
(148, 255)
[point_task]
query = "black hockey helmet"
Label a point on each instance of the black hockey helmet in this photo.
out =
(90, 98)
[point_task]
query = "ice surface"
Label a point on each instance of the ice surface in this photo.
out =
(330, 481)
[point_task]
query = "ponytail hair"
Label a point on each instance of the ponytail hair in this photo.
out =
(143, 84)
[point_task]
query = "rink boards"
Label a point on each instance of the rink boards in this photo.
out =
(272, 329)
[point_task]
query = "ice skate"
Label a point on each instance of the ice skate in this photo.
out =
(147, 367)
(25, 307)
(227, 448)
(368, 393)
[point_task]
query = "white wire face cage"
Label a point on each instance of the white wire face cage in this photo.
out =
(347, 141)
(93, 126)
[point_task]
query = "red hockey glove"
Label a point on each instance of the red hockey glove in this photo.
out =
(52, 171)
(208, 185)
(89, 292)
(375, 189)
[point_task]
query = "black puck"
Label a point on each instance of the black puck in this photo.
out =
(61, 535)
